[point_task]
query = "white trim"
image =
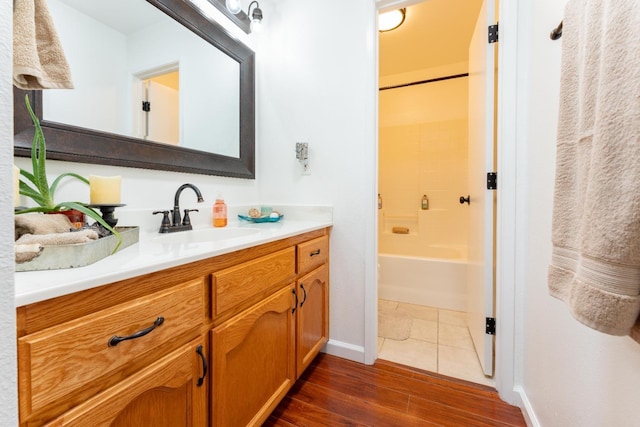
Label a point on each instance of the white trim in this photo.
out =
(527, 410)
(345, 350)
(508, 348)
(506, 209)
(371, 238)
(385, 5)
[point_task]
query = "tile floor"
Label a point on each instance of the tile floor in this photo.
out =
(428, 338)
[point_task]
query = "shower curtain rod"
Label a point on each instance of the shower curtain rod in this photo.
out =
(438, 79)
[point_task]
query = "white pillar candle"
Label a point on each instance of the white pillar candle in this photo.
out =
(104, 190)
(16, 185)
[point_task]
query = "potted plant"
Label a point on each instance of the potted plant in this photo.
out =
(41, 192)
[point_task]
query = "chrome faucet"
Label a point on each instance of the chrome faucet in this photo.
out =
(177, 223)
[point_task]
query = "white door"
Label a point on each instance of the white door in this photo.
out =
(163, 118)
(480, 291)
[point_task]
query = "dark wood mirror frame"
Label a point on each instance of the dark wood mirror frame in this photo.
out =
(75, 144)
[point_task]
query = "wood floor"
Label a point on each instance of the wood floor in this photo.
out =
(338, 392)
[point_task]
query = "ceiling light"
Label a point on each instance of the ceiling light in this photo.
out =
(391, 20)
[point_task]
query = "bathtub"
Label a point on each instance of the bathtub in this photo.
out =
(437, 279)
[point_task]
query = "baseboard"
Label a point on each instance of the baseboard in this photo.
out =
(527, 409)
(345, 350)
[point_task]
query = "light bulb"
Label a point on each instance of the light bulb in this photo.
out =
(234, 6)
(256, 17)
(256, 25)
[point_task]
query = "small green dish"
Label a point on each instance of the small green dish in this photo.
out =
(260, 219)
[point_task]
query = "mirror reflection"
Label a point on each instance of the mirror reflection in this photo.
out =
(134, 76)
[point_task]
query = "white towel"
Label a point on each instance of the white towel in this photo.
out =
(595, 265)
(38, 58)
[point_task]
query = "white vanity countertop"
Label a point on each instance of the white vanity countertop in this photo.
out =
(151, 254)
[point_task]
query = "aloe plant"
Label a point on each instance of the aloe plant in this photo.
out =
(40, 192)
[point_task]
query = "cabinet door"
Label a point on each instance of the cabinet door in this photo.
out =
(253, 361)
(313, 316)
(172, 392)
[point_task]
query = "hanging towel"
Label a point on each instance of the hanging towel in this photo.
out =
(595, 265)
(38, 58)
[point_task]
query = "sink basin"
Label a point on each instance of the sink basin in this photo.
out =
(204, 235)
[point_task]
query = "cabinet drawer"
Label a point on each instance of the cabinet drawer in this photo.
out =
(312, 254)
(236, 285)
(60, 360)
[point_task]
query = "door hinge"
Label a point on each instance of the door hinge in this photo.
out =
(490, 326)
(492, 180)
(146, 106)
(493, 33)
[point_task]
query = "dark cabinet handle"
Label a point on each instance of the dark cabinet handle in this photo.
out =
(204, 366)
(314, 253)
(466, 200)
(115, 340)
(295, 306)
(304, 297)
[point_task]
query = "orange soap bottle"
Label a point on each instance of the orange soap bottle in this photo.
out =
(219, 212)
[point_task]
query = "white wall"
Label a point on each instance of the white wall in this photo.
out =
(8, 381)
(571, 375)
(316, 71)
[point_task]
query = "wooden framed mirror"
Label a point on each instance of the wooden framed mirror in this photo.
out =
(86, 144)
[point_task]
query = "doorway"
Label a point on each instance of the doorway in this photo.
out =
(424, 228)
(156, 104)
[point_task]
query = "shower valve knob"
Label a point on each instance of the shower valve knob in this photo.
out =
(466, 200)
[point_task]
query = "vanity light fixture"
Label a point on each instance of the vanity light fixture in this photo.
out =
(234, 6)
(390, 20)
(255, 17)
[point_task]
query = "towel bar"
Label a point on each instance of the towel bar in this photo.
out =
(557, 32)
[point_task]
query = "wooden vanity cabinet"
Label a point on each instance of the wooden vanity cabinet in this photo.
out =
(214, 342)
(312, 320)
(260, 351)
